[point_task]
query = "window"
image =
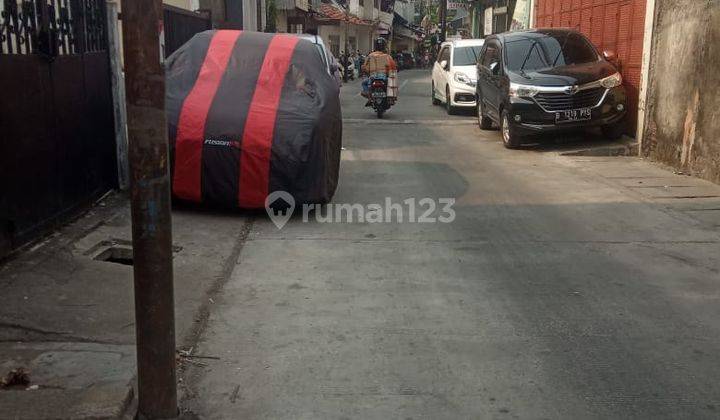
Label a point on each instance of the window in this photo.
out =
(466, 56)
(259, 10)
(321, 52)
(335, 44)
(296, 28)
(492, 54)
(361, 3)
(548, 51)
(444, 54)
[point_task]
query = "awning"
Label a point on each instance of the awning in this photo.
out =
(403, 28)
(404, 32)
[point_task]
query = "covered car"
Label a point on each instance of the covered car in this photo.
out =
(249, 114)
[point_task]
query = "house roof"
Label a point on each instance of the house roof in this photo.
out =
(331, 12)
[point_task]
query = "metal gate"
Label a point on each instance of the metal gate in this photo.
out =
(616, 25)
(180, 25)
(57, 147)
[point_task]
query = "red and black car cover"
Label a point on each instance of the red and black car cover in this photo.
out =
(251, 113)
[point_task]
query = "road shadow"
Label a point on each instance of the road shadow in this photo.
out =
(389, 134)
(466, 112)
(211, 209)
(578, 142)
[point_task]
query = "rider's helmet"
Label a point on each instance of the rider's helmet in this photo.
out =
(380, 44)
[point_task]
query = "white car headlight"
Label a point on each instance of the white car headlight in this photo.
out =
(522, 91)
(611, 81)
(464, 78)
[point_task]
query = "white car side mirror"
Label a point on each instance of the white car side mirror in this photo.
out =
(444, 64)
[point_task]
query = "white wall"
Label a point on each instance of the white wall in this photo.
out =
(325, 32)
(406, 9)
(356, 9)
(362, 34)
(250, 15)
(184, 4)
(365, 40)
(281, 23)
(370, 11)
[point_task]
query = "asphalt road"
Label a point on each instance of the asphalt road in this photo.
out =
(563, 288)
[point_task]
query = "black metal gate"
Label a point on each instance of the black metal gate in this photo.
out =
(180, 25)
(57, 147)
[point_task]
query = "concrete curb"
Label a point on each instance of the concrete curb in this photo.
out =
(625, 147)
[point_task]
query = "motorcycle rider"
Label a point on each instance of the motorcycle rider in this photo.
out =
(358, 62)
(376, 63)
(361, 61)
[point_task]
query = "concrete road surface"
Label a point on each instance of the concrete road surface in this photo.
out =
(566, 287)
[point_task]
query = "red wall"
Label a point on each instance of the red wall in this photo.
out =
(616, 25)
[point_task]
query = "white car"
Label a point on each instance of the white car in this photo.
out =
(454, 74)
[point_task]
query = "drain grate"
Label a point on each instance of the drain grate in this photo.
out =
(116, 254)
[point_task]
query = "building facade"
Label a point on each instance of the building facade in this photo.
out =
(343, 25)
(248, 15)
(406, 36)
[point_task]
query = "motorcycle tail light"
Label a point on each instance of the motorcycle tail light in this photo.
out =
(378, 84)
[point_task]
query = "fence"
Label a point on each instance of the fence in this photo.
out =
(57, 147)
(180, 25)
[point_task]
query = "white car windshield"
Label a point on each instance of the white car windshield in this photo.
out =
(466, 56)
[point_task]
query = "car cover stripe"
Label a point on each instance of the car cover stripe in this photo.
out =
(193, 116)
(226, 120)
(179, 84)
(260, 124)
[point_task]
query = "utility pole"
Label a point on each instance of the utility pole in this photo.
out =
(150, 206)
(346, 59)
(443, 19)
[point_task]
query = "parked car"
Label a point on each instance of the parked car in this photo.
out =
(454, 74)
(251, 114)
(331, 63)
(544, 80)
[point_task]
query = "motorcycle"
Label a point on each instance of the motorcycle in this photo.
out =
(379, 98)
